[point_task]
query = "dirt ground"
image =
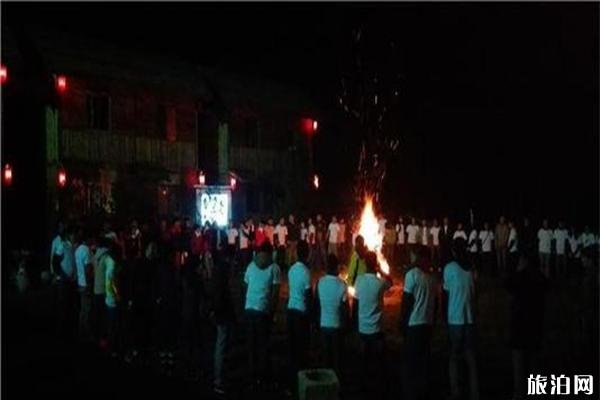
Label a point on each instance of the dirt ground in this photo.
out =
(35, 362)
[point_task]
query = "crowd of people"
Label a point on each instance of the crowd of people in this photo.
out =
(155, 288)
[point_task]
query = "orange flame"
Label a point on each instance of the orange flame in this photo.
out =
(369, 230)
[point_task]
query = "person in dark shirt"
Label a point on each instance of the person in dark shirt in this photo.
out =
(527, 238)
(193, 298)
(446, 236)
(527, 288)
(165, 298)
(223, 314)
(292, 239)
(143, 276)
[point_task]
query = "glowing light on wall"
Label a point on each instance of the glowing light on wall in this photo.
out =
(62, 178)
(309, 126)
(7, 175)
(3, 74)
(61, 83)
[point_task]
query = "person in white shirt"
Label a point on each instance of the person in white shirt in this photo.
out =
(332, 306)
(67, 294)
(57, 251)
(472, 248)
(303, 231)
(435, 244)
(244, 241)
(588, 240)
(333, 236)
(342, 249)
(232, 237)
(382, 222)
(262, 279)
(281, 234)
(270, 231)
(561, 238)
(513, 247)
(458, 305)
(424, 234)
(85, 270)
(574, 246)
(298, 311)
(401, 236)
(418, 308)
(412, 232)
(459, 233)
(545, 237)
(369, 291)
(486, 239)
(312, 242)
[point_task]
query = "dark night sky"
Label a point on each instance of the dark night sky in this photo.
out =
(500, 100)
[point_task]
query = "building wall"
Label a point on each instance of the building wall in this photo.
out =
(146, 148)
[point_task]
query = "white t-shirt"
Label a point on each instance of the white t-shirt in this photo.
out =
(587, 240)
(83, 257)
(244, 240)
(281, 232)
(412, 231)
(486, 238)
(260, 283)
(460, 234)
(561, 236)
(332, 293)
(381, 224)
(400, 232)
(232, 235)
(369, 292)
(472, 241)
(545, 241)
(304, 234)
(312, 234)
(574, 245)
(299, 283)
(461, 289)
(424, 236)
(421, 286)
(513, 237)
(435, 234)
(334, 230)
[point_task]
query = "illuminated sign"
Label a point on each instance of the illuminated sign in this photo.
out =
(213, 205)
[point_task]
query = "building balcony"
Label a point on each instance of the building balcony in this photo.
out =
(120, 149)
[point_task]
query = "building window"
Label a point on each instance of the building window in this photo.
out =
(98, 111)
(167, 122)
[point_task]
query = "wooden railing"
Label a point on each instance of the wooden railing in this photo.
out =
(123, 149)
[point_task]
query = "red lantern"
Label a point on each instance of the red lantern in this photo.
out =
(316, 181)
(3, 74)
(7, 175)
(201, 178)
(62, 178)
(61, 83)
(232, 183)
(309, 126)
